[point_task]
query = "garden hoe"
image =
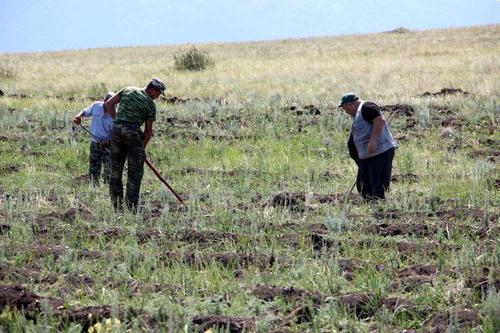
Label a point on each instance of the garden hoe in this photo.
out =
(177, 196)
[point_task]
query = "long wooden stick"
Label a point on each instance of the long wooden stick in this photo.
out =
(163, 181)
(152, 169)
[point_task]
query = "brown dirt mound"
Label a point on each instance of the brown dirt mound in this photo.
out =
(396, 304)
(406, 178)
(357, 303)
(488, 153)
(79, 279)
(455, 213)
(17, 297)
(88, 254)
(224, 259)
(219, 173)
(149, 234)
(296, 201)
(30, 304)
(48, 224)
(9, 169)
(451, 121)
(80, 180)
(81, 210)
(40, 251)
(403, 109)
(481, 284)
(365, 305)
(297, 110)
(108, 234)
(228, 324)
(293, 201)
(319, 242)
(464, 317)
(410, 283)
(205, 236)
(396, 229)
(20, 273)
(427, 270)
(269, 293)
(445, 92)
(185, 99)
(4, 228)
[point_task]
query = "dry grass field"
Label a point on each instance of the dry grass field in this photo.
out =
(271, 239)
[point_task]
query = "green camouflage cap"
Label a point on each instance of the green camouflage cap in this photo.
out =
(158, 84)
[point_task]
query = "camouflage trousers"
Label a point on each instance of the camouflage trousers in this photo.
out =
(126, 144)
(99, 156)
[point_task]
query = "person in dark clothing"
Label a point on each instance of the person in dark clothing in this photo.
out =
(128, 142)
(371, 146)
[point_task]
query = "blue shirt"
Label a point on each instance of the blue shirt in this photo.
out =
(101, 123)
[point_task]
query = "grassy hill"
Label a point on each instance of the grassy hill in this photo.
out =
(271, 239)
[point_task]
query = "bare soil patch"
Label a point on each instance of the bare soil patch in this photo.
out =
(224, 259)
(31, 305)
(411, 277)
(9, 169)
(17, 297)
(79, 211)
(89, 254)
(298, 110)
(20, 273)
(445, 92)
(365, 305)
(396, 229)
(426, 270)
(466, 318)
(219, 173)
(489, 154)
(400, 109)
(80, 180)
(269, 293)
(482, 284)
(357, 303)
(297, 201)
(226, 323)
(405, 178)
(40, 250)
(4, 228)
(205, 236)
(108, 234)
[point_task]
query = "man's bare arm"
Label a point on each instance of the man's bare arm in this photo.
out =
(378, 124)
(110, 105)
(148, 132)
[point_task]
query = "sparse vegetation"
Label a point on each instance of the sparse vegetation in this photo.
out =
(270, 241)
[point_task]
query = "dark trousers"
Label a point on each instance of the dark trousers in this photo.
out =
(374, 175)
(99, 156)
(126, 144)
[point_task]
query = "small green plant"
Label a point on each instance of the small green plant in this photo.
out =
(193, 60)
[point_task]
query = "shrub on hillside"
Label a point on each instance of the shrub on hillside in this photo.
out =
(193, 60)
(7, 72)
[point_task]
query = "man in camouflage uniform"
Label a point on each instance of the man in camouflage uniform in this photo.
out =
(136, 107)
(100, 128)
